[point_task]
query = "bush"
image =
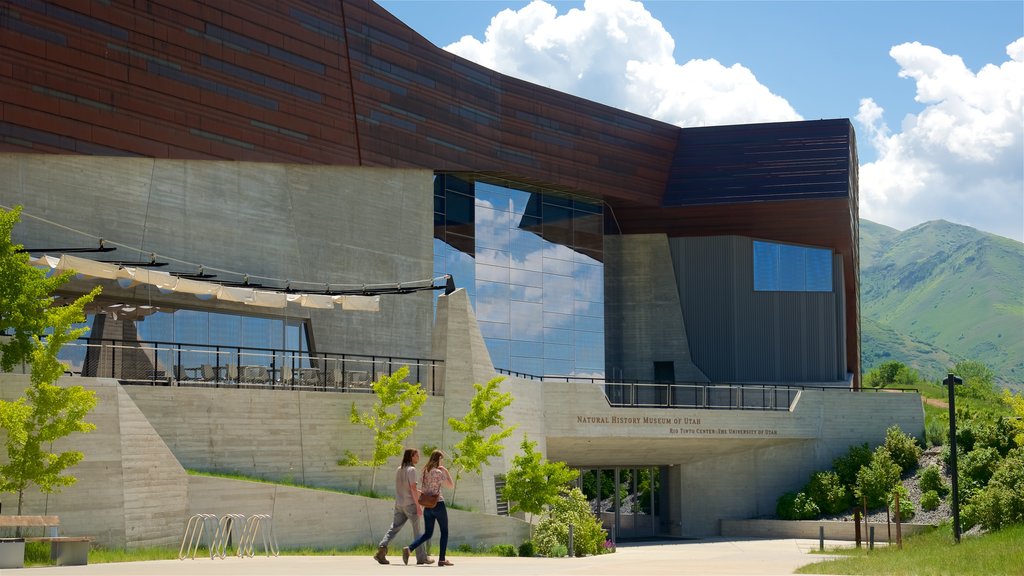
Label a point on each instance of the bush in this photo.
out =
(1001, 503)
(526, 549)
(978, 465)
(848, 465)
(930, 500)
(876, 481)
(506, 550)
(902, 447)
(573, 508)
(907, 509)
(930, 480)
(796, 506)
(464, 547)
(826, 490)
(936, 432)
(558, 551)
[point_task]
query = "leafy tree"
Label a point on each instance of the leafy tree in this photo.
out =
(475, 450)
(891, 374)
(391, 419)
(39, 330)
(979, 380)
(533, 483)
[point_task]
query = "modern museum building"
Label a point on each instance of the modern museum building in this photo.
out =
(285, 200)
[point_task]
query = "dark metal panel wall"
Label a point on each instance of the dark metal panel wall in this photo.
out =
(739, 335)
(341, 83)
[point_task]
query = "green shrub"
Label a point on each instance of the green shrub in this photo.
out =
(558, 551)
(930, 480)
(506, 550)
(573, 508)
(526, 549)
(827, 491)
(848, 465)
(1001, 503)
(875, 481)
(907, 509)
(902, 447)
(796, 506)
(936, 432)
(978, 465)
(464, 547)
(930, 500)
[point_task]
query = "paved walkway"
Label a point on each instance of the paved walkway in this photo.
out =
(734, 557)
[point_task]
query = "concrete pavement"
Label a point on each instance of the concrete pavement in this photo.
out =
(733, 557)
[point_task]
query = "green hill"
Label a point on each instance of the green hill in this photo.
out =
(941, 292)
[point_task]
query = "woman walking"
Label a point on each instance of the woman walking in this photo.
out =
(435, 477)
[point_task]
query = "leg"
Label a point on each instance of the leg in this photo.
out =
(441, 511)
(401, 516)
(428, 518)
(417, 531)
(396, 525)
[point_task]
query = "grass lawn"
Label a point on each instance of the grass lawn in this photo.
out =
(934, 553)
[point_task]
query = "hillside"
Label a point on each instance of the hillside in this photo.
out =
(942, 292)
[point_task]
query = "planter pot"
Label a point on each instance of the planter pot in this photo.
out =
(12, 552)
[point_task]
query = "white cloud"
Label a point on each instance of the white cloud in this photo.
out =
(959, 159)
(616, 53)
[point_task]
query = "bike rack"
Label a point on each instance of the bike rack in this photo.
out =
(224, 529)
(247, 543)
(196, 527)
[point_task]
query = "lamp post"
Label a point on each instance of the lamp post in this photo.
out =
(951, 381)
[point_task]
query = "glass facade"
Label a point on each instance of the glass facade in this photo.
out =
(788, 268)
(533, 266)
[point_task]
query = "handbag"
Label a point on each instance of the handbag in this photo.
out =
(428, 500)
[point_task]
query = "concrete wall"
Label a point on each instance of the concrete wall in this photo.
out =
(131, 491)
(728, 464)
(643, 316)
(319, 224)
(318, 519)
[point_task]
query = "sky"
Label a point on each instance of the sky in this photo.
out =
(934, 89)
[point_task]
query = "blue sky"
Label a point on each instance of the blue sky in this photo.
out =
(930, 87)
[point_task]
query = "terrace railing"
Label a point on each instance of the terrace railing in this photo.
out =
(174, 363)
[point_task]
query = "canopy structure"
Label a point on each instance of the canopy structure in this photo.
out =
(364, 298)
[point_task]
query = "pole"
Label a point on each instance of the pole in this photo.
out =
(951, 381)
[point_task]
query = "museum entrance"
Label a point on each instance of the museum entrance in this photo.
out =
(632, 502)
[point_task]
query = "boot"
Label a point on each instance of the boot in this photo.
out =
(380, 556)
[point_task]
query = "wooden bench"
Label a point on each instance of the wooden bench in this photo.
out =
(64, 550)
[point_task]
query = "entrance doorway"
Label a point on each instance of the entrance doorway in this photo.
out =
(631, 502)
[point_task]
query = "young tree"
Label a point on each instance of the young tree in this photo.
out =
(533, 482)
(39, 330)
(392, 419)
(474, 450)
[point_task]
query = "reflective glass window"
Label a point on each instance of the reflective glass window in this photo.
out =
(789, 268)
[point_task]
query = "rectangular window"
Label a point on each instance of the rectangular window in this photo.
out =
(789, 268)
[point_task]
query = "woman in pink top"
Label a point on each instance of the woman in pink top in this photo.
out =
(435, 476)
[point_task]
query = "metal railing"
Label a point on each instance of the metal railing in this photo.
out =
(180, 364)
(710, 396)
